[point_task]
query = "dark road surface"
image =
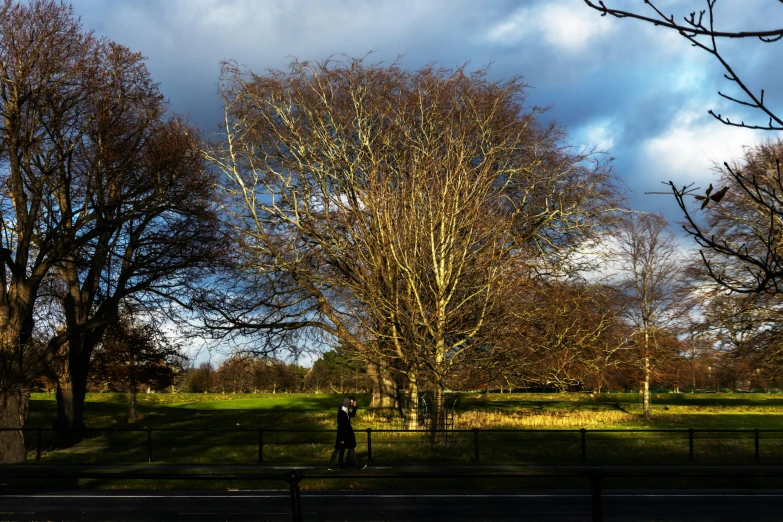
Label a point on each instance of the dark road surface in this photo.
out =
(475, 505)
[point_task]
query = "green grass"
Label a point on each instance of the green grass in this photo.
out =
(564, 414)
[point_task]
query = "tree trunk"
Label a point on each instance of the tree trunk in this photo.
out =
(438, 423)
(16, 327)
(74, 349)
(132, 404)
(71, 392)
(384, 390)
(412, 396)
(13, 414)
(70, 407)
(438, 416)
(646, 391)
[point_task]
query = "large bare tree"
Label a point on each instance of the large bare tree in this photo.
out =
(387, 207)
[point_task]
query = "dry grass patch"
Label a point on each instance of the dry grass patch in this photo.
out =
(542, 419)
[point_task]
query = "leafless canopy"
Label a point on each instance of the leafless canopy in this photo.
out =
(391, 208)
(742, 234)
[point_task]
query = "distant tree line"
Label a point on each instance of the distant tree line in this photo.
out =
(245, 374)
(686, 365)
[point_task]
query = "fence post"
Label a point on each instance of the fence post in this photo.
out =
(149, 444)
(260, 445)
(38, 445)
(583, 432)
(595, 490)
(294, 476)
(475, 444)
(369, 445)
(756, 436)
(690, 443)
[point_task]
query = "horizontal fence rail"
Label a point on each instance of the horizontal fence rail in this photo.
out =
(584, 437)
(593, 476)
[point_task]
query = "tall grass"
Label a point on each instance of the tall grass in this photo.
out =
(543, 419)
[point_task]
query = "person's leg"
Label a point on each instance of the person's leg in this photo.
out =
(342, 458)
(333, 459)
(353, 461)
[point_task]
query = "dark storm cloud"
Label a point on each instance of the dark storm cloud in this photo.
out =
(637, 91)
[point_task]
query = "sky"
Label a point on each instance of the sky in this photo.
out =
(637, 92)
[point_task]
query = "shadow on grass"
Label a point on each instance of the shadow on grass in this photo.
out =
(202, 432)
(225, 431)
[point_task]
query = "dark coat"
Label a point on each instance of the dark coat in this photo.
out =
(345, 430)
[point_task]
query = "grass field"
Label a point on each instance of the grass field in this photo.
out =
(235, 420)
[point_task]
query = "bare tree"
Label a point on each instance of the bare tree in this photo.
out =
(743, 234)
(103, 197)
(385, 207)
(564, 335)
(652, 283)
(155, 226)
(702, 34)
(752, 270)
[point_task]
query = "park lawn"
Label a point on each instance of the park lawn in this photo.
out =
(234, 421)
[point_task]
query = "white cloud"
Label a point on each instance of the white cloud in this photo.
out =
(558, 24)
(689, 147)
(565, 27)
(600, 135)
(513, 30)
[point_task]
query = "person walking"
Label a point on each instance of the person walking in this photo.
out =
(346, 439)
(347, 403)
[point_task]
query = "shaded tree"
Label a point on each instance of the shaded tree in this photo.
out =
(235, 374)
(156, 221)
(274, 376)
(100, 198)
(744, 330)
(154, 228)
(337, 372)
(133, 354)
(48, 67)
(565, 335)
(200, 380)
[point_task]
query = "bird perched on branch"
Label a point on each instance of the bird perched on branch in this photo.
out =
(714, 197)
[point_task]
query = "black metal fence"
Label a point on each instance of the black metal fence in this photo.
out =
(294, 477)
(593, 477)
(509, 445)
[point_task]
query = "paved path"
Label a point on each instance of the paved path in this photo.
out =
(463, 504)
(456, 506)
